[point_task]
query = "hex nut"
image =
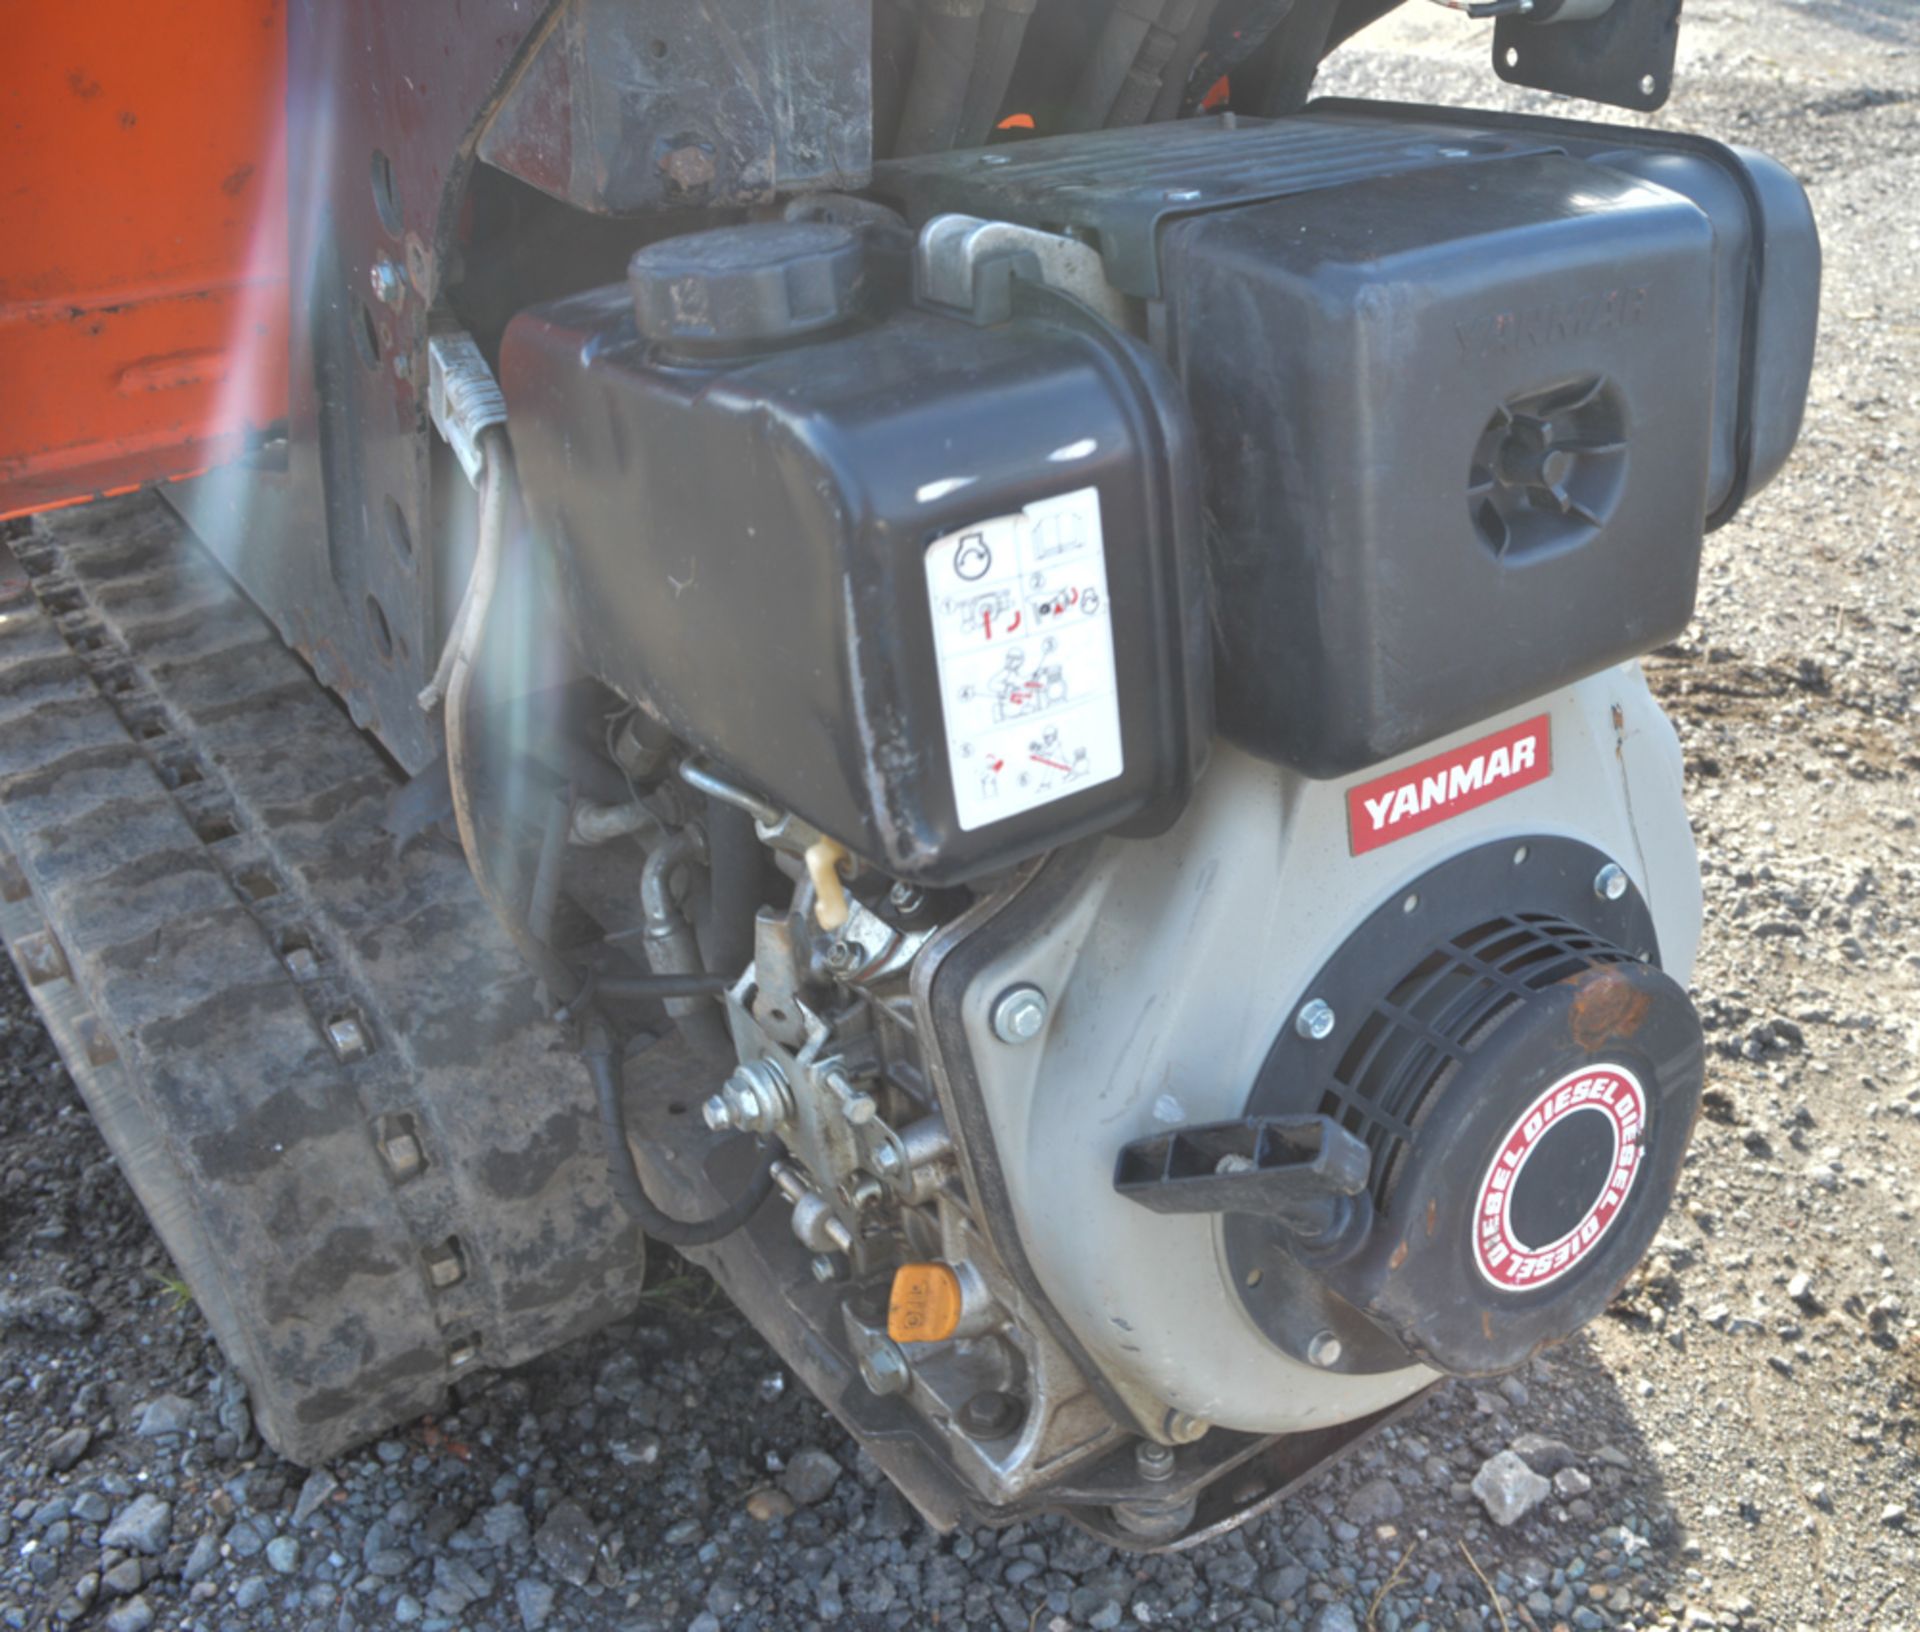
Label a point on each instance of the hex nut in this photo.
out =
(884, 1369)
(1019, 1014)
(1153, 1460)
(1315, 1021)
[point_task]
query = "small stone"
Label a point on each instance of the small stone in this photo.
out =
(283, 1555)
(1375, 1502)
(1893, 1515)
(1571, 1482)
(1508, 1489)
(1800, 1289)
(768, 1504)
(164, 1416)
(1543, 1454)
(135, 1615)
(90, 1507)
(125, 1578)
(810, 1477)
(506, 1528)
(67, 1450)
(568, 1543)
(535, 1601)
(407, 1609)
(1334, 1617)
(143, 1526)
(682, 1533)
(705, 1621)
(203, 1558)
(319, 1485)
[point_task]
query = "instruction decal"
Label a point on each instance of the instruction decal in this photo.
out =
(1023, 636)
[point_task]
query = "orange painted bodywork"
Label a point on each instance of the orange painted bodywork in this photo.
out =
(143, 241)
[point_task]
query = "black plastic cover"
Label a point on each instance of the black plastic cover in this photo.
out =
(759, 548)
(1457, 427)
(1470, 386)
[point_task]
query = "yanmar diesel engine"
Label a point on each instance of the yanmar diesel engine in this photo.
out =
(1135, 1095)
(989, 678)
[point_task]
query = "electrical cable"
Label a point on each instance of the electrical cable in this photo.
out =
(624, 1176)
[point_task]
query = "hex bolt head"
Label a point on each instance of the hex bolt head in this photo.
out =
(389, 287)
(861, 1110)
(887, 1161)
(884, 1369)
(716, 1113)
(1315, 1021)
(1324, 1350)
(445, 1269)
(825, 1267)
(1152, 1460)
(906, 898)
(1019, 1014)
(1611, 882)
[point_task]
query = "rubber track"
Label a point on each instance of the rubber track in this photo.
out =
(203, 904)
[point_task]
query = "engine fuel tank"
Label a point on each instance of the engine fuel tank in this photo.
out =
(931, 585)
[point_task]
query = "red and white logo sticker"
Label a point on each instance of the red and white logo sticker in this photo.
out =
(1607, 1091)
(1450, 784)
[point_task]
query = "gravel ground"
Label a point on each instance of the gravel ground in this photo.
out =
(1735, 1446)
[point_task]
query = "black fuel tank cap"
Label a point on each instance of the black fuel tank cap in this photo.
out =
(768, 282)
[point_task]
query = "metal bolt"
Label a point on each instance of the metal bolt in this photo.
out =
(1153, 1461)
(1324, 1350)
(1183, 1427)
(403, 1155)
(445, 1269)
(754, 1099)
(349, 1039)
(887, 1161)
(302, 964)
(842, 956)
(1019, 1014)
(825, 1267)
(884, 1369)
(990, 1414)
(463, 1353)
(1611, 882)
(907, 898)
(1315, 1020)
(389, 285)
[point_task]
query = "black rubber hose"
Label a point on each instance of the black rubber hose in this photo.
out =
(1003, 29)
(942, 66)
(1114, 52)
(658, 987)
(598, 1052)
(735, 861)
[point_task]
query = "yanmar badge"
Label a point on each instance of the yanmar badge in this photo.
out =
(1462, 779)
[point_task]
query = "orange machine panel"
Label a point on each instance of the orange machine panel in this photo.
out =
(143, 241)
